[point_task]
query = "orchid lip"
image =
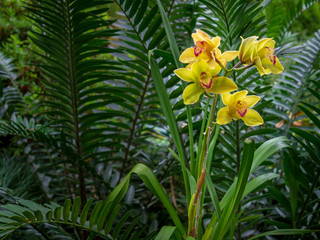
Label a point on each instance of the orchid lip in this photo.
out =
(241, 112)
(273, 60)
(207, 86)
(197, 51)
(200, 46)
(205, 80)
(241, 107)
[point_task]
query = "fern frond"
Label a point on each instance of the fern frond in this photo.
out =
(7, 69)
(281, 15)
(291, 87)
(26, 212)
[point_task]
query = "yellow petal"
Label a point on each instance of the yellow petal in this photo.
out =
(252, 118)
(200, 36)
(199, 67)
(214, 71)
(215, 41)
(229, 55)
(223, 116)
(217, 53)
(239, 96)
(258, 64)
(274, 68)
(205, 56)
(191, 94)
(246, 48)
(265, 42)
(185, 74)
(187, 55)
(212, 63)
(254, 54)
(251, 100)
(189, 65)
(222, 85)
(196, 38)
(226, 97)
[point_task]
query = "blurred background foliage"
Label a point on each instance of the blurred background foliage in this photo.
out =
(37, 167)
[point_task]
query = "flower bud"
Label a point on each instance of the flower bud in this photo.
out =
(247, 49)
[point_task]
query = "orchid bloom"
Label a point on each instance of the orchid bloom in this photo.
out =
(261, 54)
(206, 48)
(203, 79)
(265, 61)
(239, 107)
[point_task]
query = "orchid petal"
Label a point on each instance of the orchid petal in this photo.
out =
(187, 55)
(212, 63)
(226, 97)
(258, 65)
(215, 41)
(275, 67)
(251, 100)
(223, 116)
(222, 85)
(200, 36)
(199, 67)
(185, 74)
(252, 118)
(229, 55)
(265, 42)
(239, 95)
(203, 35)
(214, 71)
(191, 94)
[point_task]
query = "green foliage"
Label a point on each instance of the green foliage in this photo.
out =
(104, 109)
(17, 178)
(26, 212)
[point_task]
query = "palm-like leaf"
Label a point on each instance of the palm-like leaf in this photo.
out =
(75, 86)
(281, 15)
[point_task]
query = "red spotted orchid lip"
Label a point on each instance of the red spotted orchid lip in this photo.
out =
(242, 112)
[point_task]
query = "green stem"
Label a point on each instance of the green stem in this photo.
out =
(242, 68)
(236, 69)
(223, 67)
(206, 139)
(203, 161)
(190, 129)
(238, 146)
(237, 65)
(193, 168)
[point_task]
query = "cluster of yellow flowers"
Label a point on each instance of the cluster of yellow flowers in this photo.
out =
(206, 61)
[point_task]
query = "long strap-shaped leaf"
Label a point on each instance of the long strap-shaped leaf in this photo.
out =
(168, 112)
(261, 154)
(175, 52)
(165, 233)
(284, 232)
(168, 233)
(153, 185)
(233, 202)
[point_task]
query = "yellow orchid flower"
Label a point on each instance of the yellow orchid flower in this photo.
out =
(203, 79)
(261, 54)
(239, 107)
(265, 61)
(206, 48)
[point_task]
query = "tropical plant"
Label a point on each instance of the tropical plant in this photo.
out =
(112, 106)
